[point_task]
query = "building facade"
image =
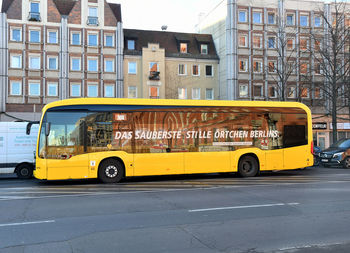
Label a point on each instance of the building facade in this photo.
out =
(58, 49)
(161, 64)
(256, 40)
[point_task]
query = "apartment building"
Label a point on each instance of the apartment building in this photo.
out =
(162, 64)
(58, 49)
(247, 34)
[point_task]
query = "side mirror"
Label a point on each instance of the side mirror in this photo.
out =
(47, 128)
(29, 126)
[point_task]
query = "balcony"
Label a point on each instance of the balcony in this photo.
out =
(34, 16)
(154, 75)
(92, 21)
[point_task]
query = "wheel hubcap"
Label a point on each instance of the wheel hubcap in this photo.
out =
(247, 167)
(347, 163)
(111, 171)
(24, 172)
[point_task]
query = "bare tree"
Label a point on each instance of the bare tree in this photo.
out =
(330, 52)
(287, 67)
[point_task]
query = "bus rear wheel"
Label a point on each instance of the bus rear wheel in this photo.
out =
(248, 166)
(111, 171)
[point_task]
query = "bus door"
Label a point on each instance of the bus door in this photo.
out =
(65, 149)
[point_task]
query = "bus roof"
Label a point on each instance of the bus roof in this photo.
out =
(173, 102)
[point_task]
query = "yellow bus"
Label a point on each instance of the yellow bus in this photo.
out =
(111, 138)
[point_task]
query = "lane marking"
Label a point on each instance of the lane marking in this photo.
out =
(26, 223)
(241, 207)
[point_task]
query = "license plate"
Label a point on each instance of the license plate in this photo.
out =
(324, 160)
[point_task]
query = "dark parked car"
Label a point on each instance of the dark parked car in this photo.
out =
(337, 154)
(317, 151)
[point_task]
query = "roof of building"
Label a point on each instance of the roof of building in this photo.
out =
(5, 5)
(64, 6)
(170, 41)
(116, 9)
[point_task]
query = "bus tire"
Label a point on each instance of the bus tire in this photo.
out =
(111, 171)
(24, 171)
(248, 166)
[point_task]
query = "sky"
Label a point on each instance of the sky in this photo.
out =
(178, 15)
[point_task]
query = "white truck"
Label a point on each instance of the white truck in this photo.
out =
(17, 148)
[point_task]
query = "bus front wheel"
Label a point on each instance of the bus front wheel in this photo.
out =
(248, 166)
(111, 171)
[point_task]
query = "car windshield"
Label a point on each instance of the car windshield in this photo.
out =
(343, 143)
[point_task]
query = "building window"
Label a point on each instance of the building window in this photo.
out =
(132, 67)
(52, 37)
(304, 20)
(34, 36)
(15, 88)
(257, 17)
(76, 38)
(196, 93)
(16, 61)
(183, 48)
(258, 90)
(209, 93)
(291, 92)
(109, 65)
(243, 65)
(318, 21)
(92, 64)
(131, 44)
(109, 40)
(154, 71)
(93, 17)
(318, 70)
(257, 41)
(92, 40)
(52, 89)
(271, 18)
(272, 66)
(242, 16)
(304, 66)
(243, 41)
(272, 92)
(209, 70)
(154, 92)
(317, 45)
(92, 90)
(195, 70)
(52, 63)
(182, 69)
(318, 93)
(204, 49)
(34, 14)
(109, 91)
(243, 90)
(304, 92)
(290, 43)
(257, 66)
(132, 92)
(290, 19)
(34, 89)
(16, 34)
(271, 42)
(182, 93)
(75, 90)
(75, 64)
(304, 44)
(34, 62)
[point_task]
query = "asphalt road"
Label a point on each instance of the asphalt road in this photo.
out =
(295, 211)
